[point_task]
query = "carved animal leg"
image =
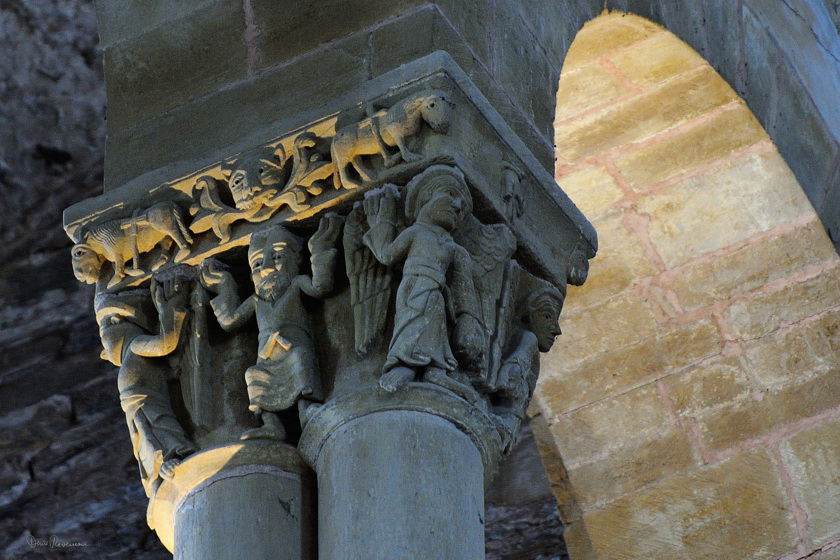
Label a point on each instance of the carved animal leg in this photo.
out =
(395, 378)
(119, 271)
(165, 245)
(363, 171)
(407, 155)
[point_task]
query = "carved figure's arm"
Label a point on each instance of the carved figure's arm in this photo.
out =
(230, 313)
(381, 238)
(170, 300)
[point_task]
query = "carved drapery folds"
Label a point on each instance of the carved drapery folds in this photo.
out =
(408, 243)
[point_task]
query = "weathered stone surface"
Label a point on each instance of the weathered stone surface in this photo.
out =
(729, 132)
(685, 98)
(797, 353)
(620, 262)
(656, 59)
(748, 418)
(675, 518)
(813, 460)
(619, 321)
(608, 425)
(629, 469)
(594, 191)
(586, 88)
(707, 386)
(565, 386)
(592, 45)
(115, 18)
(767, 311)
(750, 195)
(752, 266)
(160, 70)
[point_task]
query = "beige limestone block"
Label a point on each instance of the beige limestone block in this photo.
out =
(748, 418)
(643, 116)
(656, 59)
(796, 353)
(630, 469)
(813, 461)
(753, 265)
(606, 34)
(709, 141)
(555, 470)
(565, 386)
(616, 322)
(710, 385)
(723, 206)
(609, 425)
(620, 262)
(765, 312)
(739, 503)
(593, 190)
(832, 553)
(586, 88)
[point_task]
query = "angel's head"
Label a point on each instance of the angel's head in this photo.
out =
(275, 256)
(542, 314)
(439, 196)
(255, 176)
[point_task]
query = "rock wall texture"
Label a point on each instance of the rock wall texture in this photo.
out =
(693, 398)
(66, 466)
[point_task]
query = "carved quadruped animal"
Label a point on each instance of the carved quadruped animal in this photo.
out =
(385, 130)
(119, 241)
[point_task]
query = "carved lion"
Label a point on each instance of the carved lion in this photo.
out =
(119, 241)
(387, 129)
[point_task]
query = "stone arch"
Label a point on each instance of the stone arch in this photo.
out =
(692, 404)
(782, 58)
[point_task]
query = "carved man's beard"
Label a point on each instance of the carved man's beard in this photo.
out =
(273, 286)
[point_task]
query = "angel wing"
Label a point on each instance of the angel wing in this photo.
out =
(491, 248)
(370, 284)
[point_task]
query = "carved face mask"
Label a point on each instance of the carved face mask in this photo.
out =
(255, 178)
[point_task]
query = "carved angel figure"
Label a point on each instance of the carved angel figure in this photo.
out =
(537, 317)
(127, 332)
(385, 130)
(436, 287)
(286, 371)
(119, 241)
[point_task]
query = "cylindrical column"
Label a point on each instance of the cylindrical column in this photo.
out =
(401, 476)
(251, 500)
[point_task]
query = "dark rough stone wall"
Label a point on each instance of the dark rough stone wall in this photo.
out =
(66, 466)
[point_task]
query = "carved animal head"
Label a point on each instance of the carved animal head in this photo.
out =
(436, 109)
(256, 176)
(543, 307)
(87, 264)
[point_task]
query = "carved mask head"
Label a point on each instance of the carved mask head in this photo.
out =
(437, 111)
(440, 196)
(274, 256)
(543, 313)
(256, 176)
(86, 263)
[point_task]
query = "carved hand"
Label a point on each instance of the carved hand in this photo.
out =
(170, 295)
(469, 341)
(215, 279)
(381, 207)
(327, 234)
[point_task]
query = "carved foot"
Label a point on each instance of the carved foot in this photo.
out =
(272, 428)
(392, 160)
(410, 157)
(396, 378)
(439, 377)
(167, 469)
(182, 254)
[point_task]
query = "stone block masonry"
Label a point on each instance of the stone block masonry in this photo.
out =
(695, 394)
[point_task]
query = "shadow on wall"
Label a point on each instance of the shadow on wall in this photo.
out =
(694, 396)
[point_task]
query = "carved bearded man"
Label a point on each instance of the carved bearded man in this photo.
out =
(286, 371)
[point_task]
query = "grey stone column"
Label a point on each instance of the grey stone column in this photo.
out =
(250, 500)
(401, 475)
